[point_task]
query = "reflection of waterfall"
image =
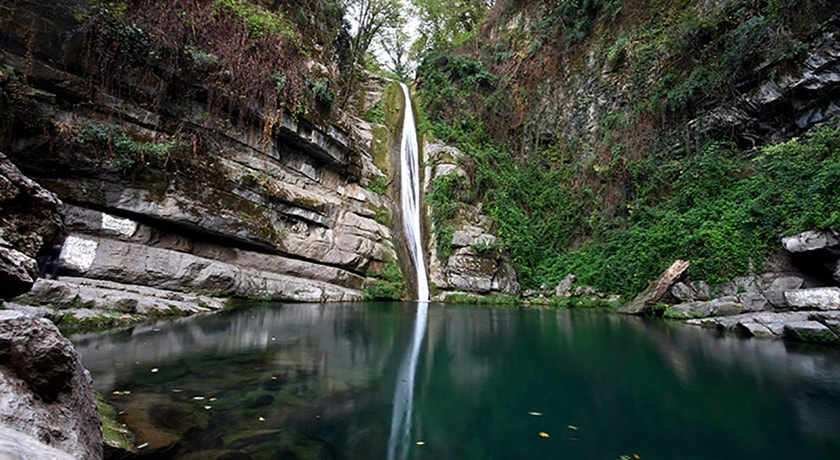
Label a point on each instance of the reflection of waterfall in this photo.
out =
(400, 438)
(398, 442)
(410, 197)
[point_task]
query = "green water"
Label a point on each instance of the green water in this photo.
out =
(288, 381)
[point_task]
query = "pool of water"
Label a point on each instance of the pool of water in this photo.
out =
(294, 381)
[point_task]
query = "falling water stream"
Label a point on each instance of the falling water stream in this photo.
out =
(400, 439)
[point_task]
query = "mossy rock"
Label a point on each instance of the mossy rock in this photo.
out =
(117, 440)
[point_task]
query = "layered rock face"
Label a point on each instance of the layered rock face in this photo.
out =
(476, 266)
(45, 394)
(176, 197)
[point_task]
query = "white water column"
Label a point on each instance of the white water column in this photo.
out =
(410, 197)
(399, 442)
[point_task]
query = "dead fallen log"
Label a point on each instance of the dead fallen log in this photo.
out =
(655, 290)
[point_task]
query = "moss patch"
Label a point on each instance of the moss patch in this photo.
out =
(117, 440)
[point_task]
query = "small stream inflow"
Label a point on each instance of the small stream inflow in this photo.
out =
(300, 381)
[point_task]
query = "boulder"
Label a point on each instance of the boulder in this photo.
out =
(683, 292)
(824, 298)
(811, 241)
(725, 306)
(564, 289)
(810, 332)
(30, 218)
(775, 291)
(15, 445)
(45, 392)
(753, 329)
(753, 301)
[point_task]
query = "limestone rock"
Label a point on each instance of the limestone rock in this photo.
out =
(683, 292)
(725, 306)
(753, 301)
(44, 390)
(15, 445)
(564, 289)
(811, 332)
(775, 291)
(30, 217)
(754, 329)
(825, 298)
(811, 241)
(469, 235)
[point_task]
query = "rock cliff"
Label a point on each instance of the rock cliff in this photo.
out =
(167, 190)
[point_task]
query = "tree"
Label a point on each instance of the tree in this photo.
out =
(396, 43)
(444, 24)
(369, 18)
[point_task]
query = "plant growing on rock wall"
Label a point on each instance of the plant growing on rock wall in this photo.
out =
(387, 286)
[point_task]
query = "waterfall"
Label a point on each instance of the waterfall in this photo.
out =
(410, 197)
(400, 438)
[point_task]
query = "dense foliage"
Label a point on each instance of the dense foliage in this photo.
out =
(245, 59)
(616, 204)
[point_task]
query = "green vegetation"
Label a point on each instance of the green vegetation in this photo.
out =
(468, 299)
(125, 153)
(444, 200)
(580, 302)
(322, 93)
(618, 203)
(726, 210)
(379, 185)
(387, 286)
(258, 21)
(116, 438)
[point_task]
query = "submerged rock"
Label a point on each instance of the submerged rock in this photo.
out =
(159, 422)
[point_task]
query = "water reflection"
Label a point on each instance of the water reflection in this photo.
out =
(319, 381)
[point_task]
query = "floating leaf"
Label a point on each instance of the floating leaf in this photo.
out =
(535, 414)
(208, 407)
(155, 370)
(543, 434)
(637, 456)
(262, 419)
(420, 443)
(572, 427)
(214, 399)
(198, 398)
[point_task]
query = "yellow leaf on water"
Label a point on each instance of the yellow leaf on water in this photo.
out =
(637, 456)
(543, 434)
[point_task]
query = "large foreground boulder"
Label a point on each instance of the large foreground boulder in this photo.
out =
(45, 392)
(29, 218)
